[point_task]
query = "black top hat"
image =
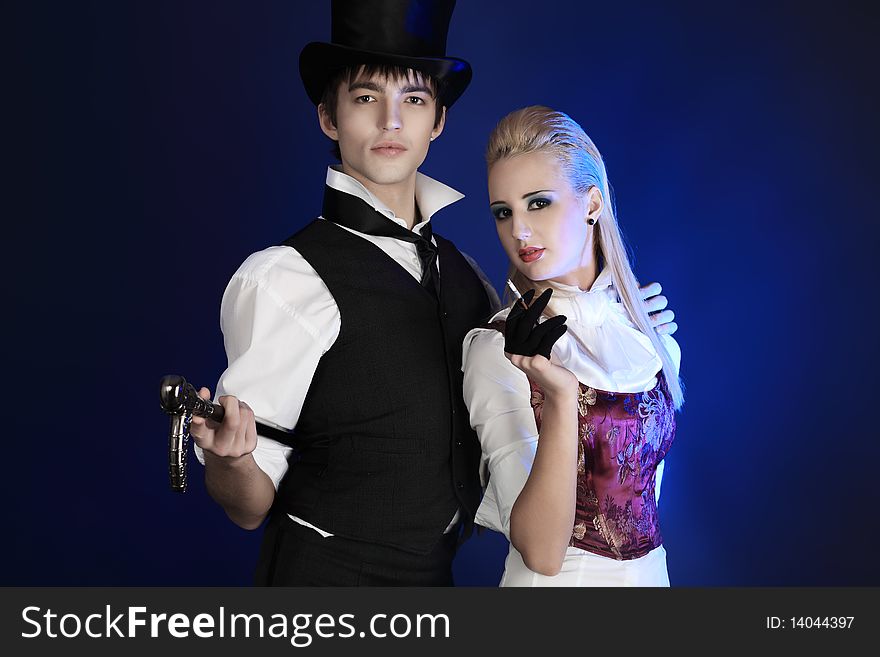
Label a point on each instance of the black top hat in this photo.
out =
(407, 33)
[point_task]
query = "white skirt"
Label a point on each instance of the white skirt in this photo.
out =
(582, 568)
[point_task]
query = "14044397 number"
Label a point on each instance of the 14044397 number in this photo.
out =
(810, 622)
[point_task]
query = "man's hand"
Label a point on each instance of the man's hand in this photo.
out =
(234, 437)
(655, 304)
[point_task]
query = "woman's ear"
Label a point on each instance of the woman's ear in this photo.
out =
(594, 203)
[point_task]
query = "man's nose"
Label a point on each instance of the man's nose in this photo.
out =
(391, 117)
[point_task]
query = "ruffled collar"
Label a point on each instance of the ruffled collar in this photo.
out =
(603, 281)
(602, 347)
(584, 307)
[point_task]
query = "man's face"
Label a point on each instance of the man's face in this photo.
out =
(383, 127)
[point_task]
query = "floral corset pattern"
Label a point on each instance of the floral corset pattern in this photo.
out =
(621, 439)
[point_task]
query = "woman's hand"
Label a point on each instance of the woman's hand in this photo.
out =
(528, 345)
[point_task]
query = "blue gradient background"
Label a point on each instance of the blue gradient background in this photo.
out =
(154, 145)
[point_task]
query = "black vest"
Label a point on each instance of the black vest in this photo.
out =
(386, 451)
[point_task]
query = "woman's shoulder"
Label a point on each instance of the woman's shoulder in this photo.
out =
(622, 317)
(673, 349)
(486, 336)
(481, 346)
(483, 353)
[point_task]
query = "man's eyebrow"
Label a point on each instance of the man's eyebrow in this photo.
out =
(411, 88)
(375, 87)
(366, 84)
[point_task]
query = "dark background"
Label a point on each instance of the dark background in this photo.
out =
(151, 146)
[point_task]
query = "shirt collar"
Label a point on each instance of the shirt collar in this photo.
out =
(431, 195)
(572, 295)
(603, 281)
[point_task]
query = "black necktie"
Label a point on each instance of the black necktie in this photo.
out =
(356, 214)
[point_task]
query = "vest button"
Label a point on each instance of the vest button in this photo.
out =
(460, 485)
(458, 443)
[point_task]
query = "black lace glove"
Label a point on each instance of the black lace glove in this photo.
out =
(521, 334)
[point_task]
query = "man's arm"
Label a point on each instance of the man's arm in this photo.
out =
(277, 319)
(232, 477)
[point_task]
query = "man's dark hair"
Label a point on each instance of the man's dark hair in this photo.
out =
(330, 97)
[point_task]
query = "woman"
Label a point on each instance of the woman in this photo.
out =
(571, 391)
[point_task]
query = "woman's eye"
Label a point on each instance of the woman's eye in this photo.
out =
(501, 213)
(538, 203)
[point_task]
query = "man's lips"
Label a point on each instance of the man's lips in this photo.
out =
(530, 254)
(388, 148)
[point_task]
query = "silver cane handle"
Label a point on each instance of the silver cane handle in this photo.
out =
(181, 401)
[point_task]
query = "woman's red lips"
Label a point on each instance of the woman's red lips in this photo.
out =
(530, 254)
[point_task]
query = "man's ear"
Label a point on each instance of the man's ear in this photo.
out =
(326, 124)
(440, 125)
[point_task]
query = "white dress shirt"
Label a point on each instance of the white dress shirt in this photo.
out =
(604, 350)
(278, 318)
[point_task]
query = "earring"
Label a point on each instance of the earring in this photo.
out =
(591, 221)
(432, 138)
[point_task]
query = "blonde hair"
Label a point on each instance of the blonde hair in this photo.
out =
(537, 128)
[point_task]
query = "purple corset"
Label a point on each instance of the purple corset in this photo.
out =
(621, 439)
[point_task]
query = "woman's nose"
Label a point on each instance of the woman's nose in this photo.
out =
(520, 230)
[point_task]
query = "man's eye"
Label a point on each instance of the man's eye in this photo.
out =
(415, 100)
(501, 213)
(538, 203)
(363, 99)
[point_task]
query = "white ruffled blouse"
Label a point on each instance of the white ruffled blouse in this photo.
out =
(602, 348)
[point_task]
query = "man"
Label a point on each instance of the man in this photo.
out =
(349, 334)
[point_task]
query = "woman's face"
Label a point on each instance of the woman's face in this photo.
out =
(542, 221)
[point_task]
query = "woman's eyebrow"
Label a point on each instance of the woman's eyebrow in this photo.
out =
(540, 191)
